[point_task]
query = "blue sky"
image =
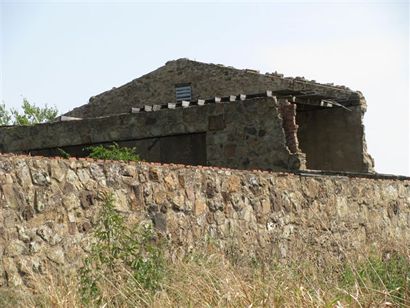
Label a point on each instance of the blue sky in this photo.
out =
(63, 52)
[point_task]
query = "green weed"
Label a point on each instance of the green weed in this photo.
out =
(113, 152)
(130, 258)
(389, 275)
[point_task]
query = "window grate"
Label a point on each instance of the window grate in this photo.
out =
(183, 92)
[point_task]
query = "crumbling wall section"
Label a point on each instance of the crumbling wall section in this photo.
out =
(288, 113)
(334, 139)
(48, 209)
(368, 161)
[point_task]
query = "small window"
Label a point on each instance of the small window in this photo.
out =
(183, 92)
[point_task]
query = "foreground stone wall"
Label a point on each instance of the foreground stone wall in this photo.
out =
(48, 208)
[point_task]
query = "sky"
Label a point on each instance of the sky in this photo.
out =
(61, 53)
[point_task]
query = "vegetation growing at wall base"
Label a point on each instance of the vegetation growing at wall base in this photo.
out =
(208, 279)
(130, 267)
(129, 257)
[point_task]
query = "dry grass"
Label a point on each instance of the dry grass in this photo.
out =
(133, 267)
(207, 278)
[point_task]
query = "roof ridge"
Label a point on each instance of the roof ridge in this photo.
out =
(274, 74)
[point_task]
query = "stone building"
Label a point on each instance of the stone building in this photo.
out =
(208, 114)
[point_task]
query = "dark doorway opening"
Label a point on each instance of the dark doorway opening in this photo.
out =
(189, 149)
(331, 138)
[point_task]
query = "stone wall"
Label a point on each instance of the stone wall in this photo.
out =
(48, 209)
(243, 134)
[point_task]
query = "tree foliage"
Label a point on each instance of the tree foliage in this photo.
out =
(5, 117)
(31, 114)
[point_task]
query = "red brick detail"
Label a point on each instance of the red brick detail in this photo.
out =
(288, 113)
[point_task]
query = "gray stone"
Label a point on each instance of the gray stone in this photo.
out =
(48, 235)
(15, 248)
(13, 277)
(23, 234)
(71, 201)
(34, 247)
(97, 172)
(40, 177)
(56, 254)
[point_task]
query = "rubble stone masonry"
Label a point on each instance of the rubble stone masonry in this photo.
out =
(207, 80)
(244, 134)
(48, 207)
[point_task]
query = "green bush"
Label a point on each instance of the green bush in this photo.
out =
(121, 254)
(113, 152)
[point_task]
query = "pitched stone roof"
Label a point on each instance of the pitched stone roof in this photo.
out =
(208, 80)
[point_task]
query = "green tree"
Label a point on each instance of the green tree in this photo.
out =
(33, 114)
(30, 115)
(5, 117)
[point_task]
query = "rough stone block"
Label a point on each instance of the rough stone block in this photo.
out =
(216, 122)
(230, 150)
(87, 199)
(160, 221)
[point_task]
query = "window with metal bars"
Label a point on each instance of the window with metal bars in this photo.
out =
(183, 92)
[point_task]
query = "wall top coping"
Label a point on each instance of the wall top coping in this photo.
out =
(301, 173)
